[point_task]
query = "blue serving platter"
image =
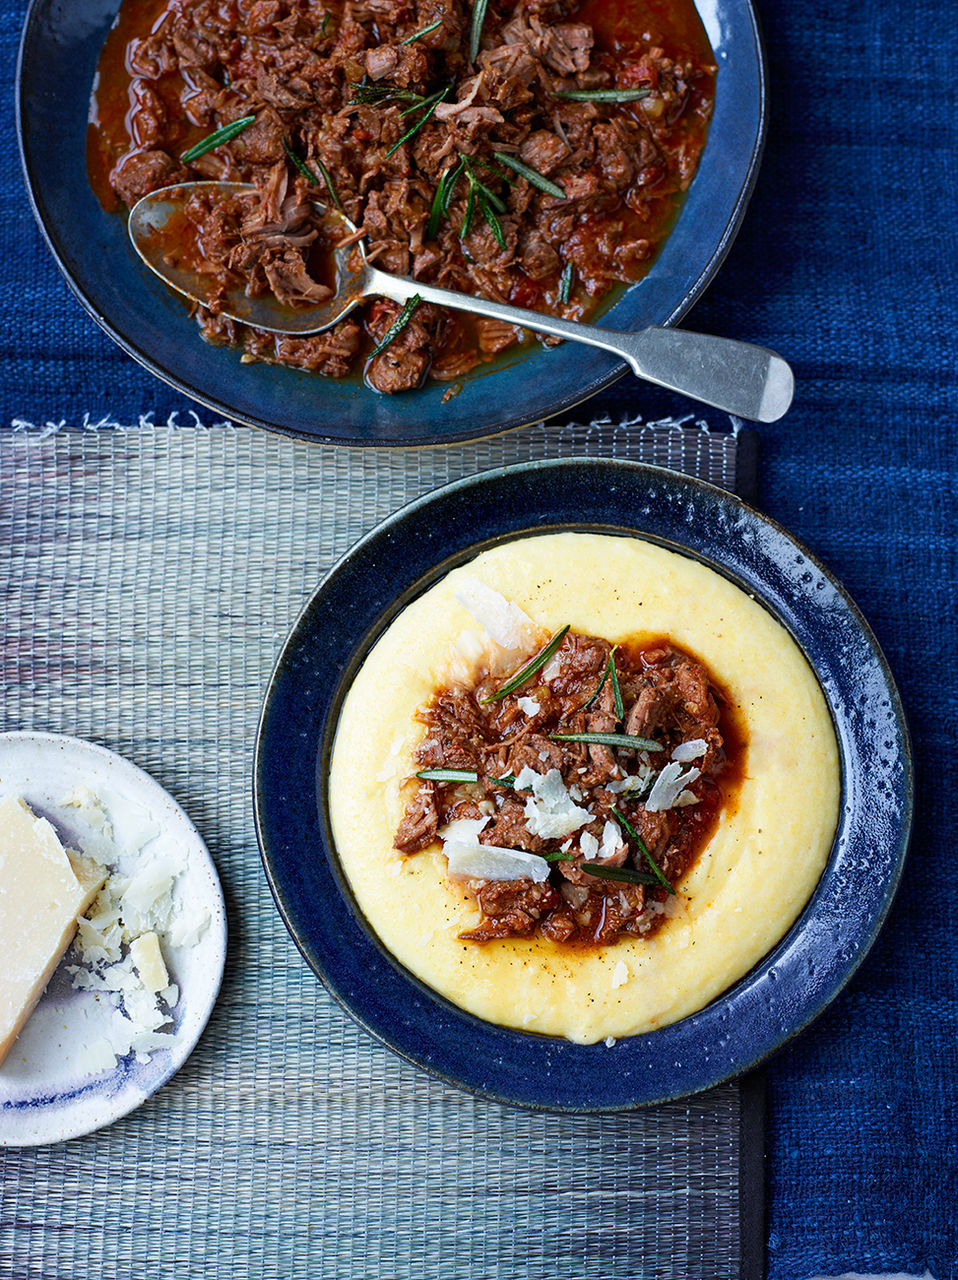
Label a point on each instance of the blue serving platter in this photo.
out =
(58, 56)
(404, 556)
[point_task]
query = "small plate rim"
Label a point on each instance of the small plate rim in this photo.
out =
(74, 1120)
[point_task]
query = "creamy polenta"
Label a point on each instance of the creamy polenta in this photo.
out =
(748, 884)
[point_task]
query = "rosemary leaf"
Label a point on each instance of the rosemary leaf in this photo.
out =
(226, 134)
(301, 165)
(540, 660)
(603, 95)
(333, 195)
(493, 221)
(324, 25)
(610, 740)
(470, 210)
(447, 194)
(475, 33)
(558, 857)
(598, 688)
(623, 874)
(531, 175)
(616, 691)
(565, 287)
(440, 201)
(433, 103)
(448, 775)
(308, 173)
(397, 326)
(378, 95)
(480, 187)
(462, 775)
(424, 32)
(634, 835)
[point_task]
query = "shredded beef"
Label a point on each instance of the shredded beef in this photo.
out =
(660, 694)
(193, 66)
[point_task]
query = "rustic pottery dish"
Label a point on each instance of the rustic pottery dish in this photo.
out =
(789, 987)
(58, 57)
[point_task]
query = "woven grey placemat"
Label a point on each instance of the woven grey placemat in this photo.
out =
(148, 579)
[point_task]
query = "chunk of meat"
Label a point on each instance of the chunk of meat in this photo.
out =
(420, 822)
(141, 172)
(512, 908)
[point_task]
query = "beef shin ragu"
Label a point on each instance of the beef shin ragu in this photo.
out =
(536, 157)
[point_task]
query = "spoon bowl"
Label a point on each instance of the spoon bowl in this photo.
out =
(745, 380)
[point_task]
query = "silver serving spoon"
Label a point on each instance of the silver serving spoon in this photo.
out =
(745, 380)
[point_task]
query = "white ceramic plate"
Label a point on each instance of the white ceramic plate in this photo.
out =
(50, 1086)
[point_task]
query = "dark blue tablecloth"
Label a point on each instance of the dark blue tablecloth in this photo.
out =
(846, 264)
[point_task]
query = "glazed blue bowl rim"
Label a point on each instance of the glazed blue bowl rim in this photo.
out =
(54, 71)
(787, 989)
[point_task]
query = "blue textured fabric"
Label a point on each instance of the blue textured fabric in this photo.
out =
(846, 264)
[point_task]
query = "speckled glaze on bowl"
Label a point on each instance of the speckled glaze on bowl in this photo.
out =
(58, 54)
(404, 556)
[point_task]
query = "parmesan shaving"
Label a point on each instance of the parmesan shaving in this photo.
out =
(620, 975)
(692, 750)
(462, 830)
(550, 811)
(611, 840)
(668, 786)
(504, 621)
(493, 862)
(589, 846)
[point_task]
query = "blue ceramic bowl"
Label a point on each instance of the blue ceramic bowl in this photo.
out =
(58, 54)
(403, 557)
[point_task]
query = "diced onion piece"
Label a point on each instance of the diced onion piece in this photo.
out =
(668, 786)
(493, 862)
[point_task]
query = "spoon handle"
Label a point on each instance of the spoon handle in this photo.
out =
(745, 380)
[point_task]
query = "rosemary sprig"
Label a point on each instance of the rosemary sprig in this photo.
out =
(531, 175)
(540, 660)
(448, 775)
(397, 326)
(493, 221)
(462, 775)
(628, 740)
(623, 874)
(475, 32)
(603, 95)
(487, 200)
(226, 134)
(634, 835)
(424, 32)
(382, 95)
(565, 284)
(616, 691)
(430, 103)
(440, 201)
(311, 177)
(467, 216)
(609, 666)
